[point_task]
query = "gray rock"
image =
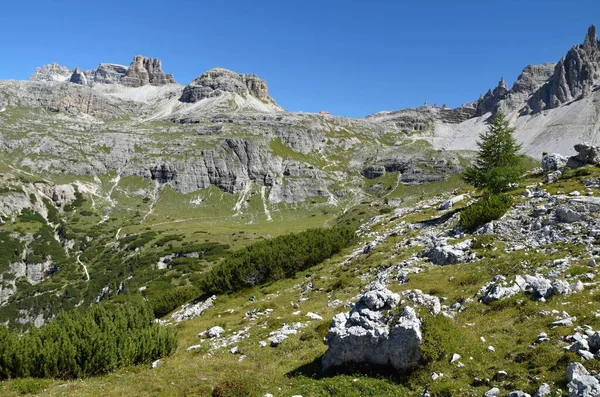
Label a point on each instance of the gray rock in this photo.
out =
(567, 215)
(540, 287)
(365, 335)
(553, 162)
(373, 171)
(108, 73)
(586, 154)
(543, 391)
(78, 77)
(143, 71)
(217, 81)
(553, 176)
(581, 383)
(215, 332)
(493, 392)
(51, 72)
(518, 393)
(575, 75)
(445, 255)
(451, 201)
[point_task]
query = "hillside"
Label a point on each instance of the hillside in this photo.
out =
(255, 233)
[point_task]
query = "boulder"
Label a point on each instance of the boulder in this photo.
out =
(581, 383)
(567, 215)
(553, 162)
(445, 255)
(586, 154)
(215, 332)
(370, 335)
(446, 205)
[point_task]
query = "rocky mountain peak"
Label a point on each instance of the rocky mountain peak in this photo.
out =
(575, 76)
(591, 39)
(78, 77)
(144, 70)
(217, 81)
(51, 72)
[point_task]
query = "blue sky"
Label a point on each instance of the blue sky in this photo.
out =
(351, 57)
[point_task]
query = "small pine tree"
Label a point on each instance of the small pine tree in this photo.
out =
(498, 166)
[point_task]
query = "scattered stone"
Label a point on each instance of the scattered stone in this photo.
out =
(155, 364)
(334, 304)
(500, 375)
(493, 392)
(455, 357)
(215, 332)
(518, 393)
(190, 311)
(314, 316)
(491, 348)
(262, 343)
(194, 347)
(543, 391)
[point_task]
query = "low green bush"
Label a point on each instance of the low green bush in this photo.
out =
(80, 344)
(488, 208)
(171, 299)
(277, 258)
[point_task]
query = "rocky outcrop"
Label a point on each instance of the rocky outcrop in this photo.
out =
(586, 154)
(372, 334)
(51, 72)
(78, 77)
(423, 118)
(532, 78)
(108, 73)
(143, 71)
(575, 76)
(489, 102)
(217, 81)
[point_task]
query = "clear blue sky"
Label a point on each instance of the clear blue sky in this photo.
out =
(351, 57)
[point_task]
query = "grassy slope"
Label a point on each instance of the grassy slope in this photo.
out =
(510, 326)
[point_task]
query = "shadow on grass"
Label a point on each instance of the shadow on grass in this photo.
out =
(314, 370)
(441, 219)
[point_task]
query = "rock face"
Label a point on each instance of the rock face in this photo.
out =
(532, 78)
(575, 76)
(78, 77)
(143, 71)
(489, 101)
(108, 73)
(51, 72)
(371, 334)
(217, 81)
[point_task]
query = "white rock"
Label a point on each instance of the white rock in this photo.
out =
(314, 316)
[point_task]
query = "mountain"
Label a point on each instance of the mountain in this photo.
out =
(120, 186)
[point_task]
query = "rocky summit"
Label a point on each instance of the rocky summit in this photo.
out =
(224, 245)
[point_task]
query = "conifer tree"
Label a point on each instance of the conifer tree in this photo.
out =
(498, 166)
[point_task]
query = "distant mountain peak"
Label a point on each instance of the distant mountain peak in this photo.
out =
(217, 81)
(51, 72)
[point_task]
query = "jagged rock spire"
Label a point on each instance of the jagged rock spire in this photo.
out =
(591, 39)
